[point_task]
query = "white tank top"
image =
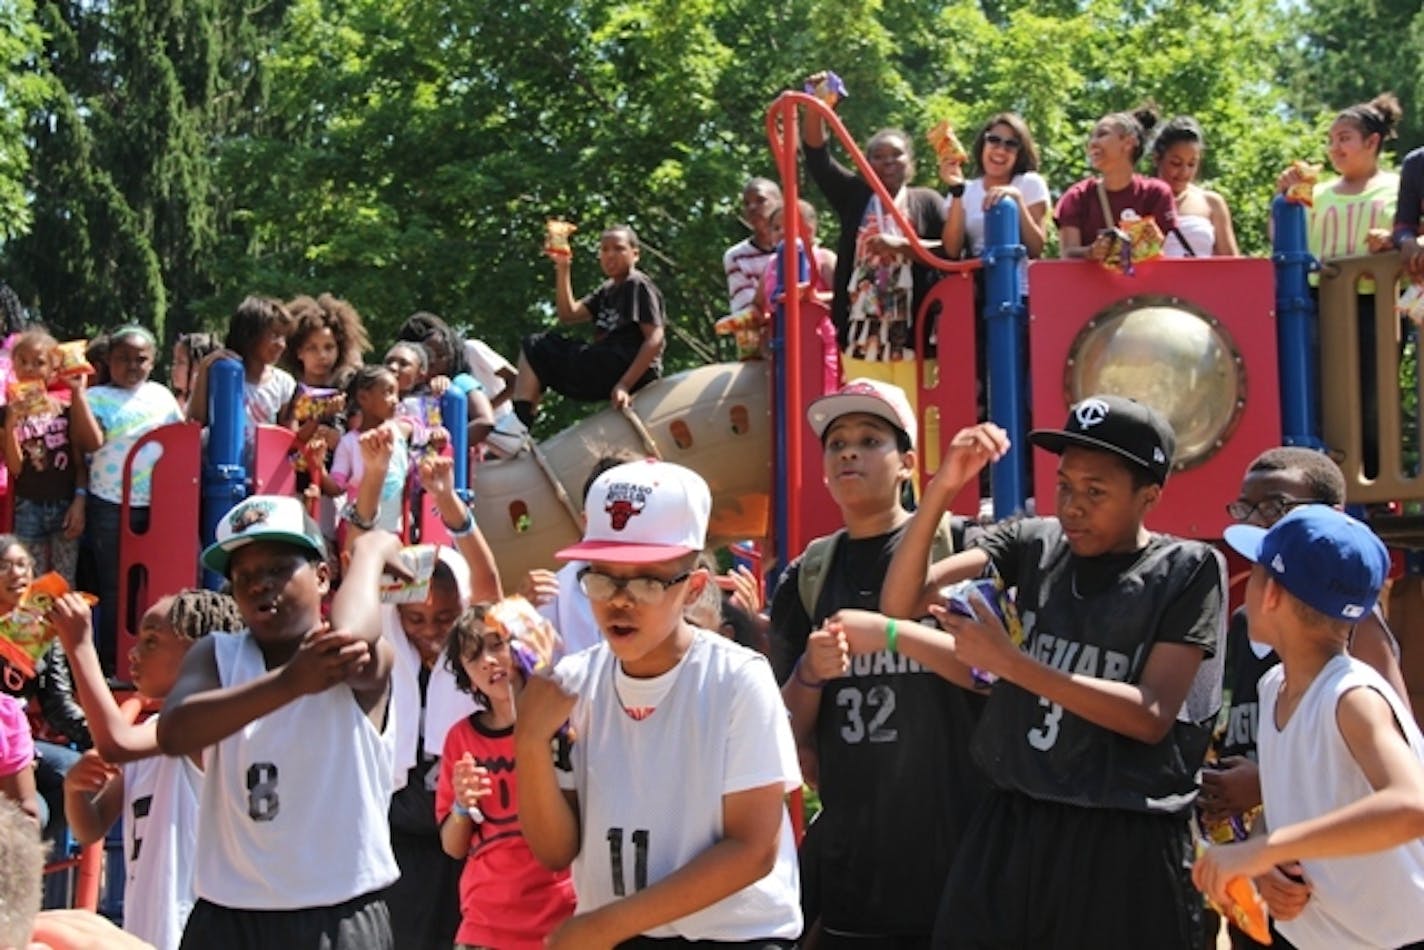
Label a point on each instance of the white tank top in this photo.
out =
(1366, 901)
(294, 804)
(650, 790)
(1199, 232)
(160, 824)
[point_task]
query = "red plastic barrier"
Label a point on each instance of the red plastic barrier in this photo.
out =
(163, 559)
(273, 469)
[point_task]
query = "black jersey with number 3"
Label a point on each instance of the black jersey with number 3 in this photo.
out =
(1101, 617)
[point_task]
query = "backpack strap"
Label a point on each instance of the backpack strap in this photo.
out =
(811, 576)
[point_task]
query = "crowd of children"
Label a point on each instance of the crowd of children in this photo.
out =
(1040, 733)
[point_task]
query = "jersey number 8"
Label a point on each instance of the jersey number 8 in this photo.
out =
(262, 801)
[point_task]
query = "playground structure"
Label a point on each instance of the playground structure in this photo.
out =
(1232, 350)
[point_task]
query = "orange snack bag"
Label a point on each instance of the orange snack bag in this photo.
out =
(1303, 191)
(25, 632)
(946, 144)
(556, 241)
(27, 398)
(1247, 910)
(73, 360)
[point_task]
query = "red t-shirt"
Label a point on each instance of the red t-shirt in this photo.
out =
(1081, 208)
(507, 898)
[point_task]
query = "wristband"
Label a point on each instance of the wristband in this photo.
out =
(80, 492)
(466, 529)
(352, 514)
(891, 635)
(473, 814)
(809, 684)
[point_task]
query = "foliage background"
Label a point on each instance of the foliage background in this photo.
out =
(160, 159)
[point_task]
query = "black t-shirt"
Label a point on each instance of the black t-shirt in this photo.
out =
(1101, 617)
(413, 806)
(618, 310)
(1244, 670)
(897, 783)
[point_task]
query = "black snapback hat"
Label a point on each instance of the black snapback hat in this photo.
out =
(1117, 424)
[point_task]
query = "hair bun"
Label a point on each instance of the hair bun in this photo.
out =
(1146, 116)
(1386, 104)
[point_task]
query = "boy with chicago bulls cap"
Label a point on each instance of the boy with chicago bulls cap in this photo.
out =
(669, 808)
(1094, 731)
(1342, 760)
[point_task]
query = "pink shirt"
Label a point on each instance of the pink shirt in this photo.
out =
(17, 746)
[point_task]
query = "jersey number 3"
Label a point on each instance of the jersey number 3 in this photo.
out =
(1042, 737)
(262, 801)
(640, 859)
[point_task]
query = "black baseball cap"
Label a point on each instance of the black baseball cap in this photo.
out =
(1116, 424)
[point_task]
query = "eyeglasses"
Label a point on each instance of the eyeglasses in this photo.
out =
(1000, 141)
(1272, 508)
(645, 590)
(16, 566)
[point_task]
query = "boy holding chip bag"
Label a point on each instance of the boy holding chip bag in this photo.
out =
(1342, 760)
(1095, 728)
(627, 349)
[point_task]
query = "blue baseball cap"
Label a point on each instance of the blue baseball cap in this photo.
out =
(1322, 556)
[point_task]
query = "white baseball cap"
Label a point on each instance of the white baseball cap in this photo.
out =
(642, 513)
(869, 396)
(263, 518)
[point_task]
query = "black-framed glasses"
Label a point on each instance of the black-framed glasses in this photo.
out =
(1002, 141)
(645, 590)
(1272, 508)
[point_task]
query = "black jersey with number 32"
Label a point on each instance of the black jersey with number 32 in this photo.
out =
(1080, 618)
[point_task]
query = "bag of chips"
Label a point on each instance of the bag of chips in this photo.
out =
(74, 359)
(317, 402)
(419, 559)
(1303, 191)
(27, 398)
(830, 89)
(556, 240)
(532, 639)
(990, 590)
(26, 632)
(1411, 303)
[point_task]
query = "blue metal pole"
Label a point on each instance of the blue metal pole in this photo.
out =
(1004, 315)
(1298, 356)
(224, 475)
(455, 417)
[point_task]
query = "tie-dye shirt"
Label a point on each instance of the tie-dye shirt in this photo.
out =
(125, 416)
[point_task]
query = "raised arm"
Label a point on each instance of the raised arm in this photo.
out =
(115, 738)
(911, 581)
(436, 477)
(356, 612)
(569, 308)
(548, 816)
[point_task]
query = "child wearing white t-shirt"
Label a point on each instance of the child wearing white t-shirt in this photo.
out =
(671, 810)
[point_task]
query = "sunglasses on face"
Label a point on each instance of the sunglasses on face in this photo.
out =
(645, 590)
(1001, 141)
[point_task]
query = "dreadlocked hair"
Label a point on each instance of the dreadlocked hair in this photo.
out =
(195, 613)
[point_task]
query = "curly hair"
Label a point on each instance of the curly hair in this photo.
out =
(469, 628)
(195, 613)
(12, 310)
(253, 319)
(327, 312)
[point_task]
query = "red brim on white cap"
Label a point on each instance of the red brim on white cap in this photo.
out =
(617, 552)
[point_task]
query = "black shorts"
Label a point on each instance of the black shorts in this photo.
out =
(1034, 874)
(361, 923)
(583, 371)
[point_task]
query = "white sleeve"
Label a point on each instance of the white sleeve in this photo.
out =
(477, 352)
(756, 711)
(1033, 188)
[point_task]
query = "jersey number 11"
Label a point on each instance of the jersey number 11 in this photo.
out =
(640, 859)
